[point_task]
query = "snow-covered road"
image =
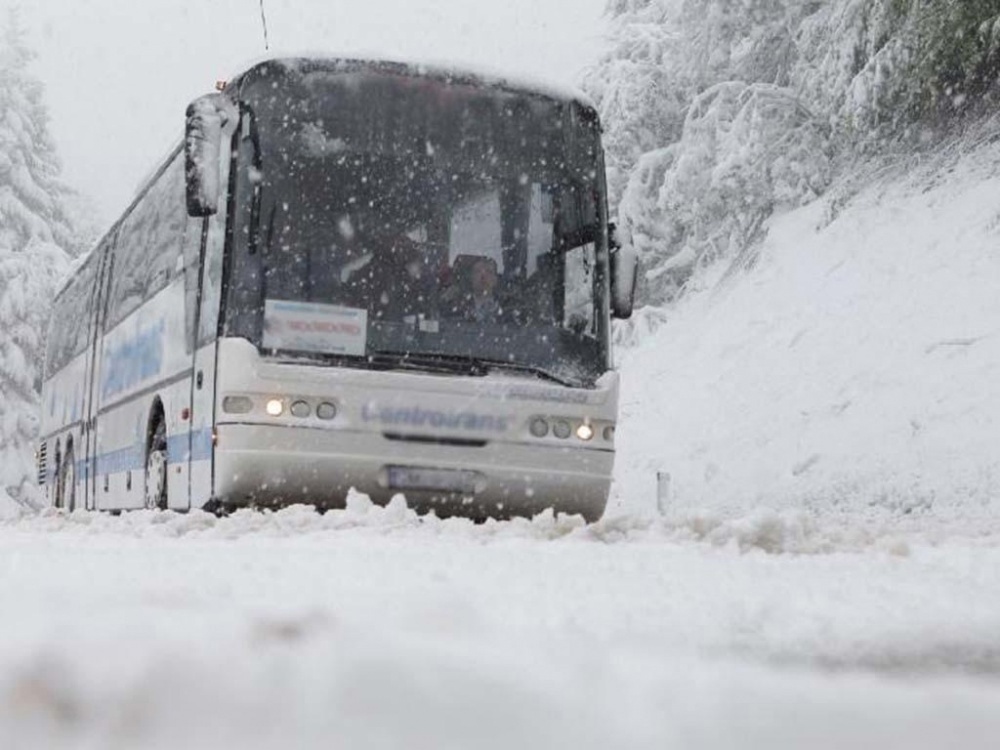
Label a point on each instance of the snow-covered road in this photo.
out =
(370, 628)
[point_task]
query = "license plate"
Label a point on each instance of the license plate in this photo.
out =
(445, 480)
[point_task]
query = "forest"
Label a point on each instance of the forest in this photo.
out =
(721, 112)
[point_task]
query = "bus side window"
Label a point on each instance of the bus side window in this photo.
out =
(62, 332)
(149, 243)
(71, 316)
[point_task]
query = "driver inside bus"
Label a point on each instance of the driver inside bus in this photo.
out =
(474, 294)
(483, 306)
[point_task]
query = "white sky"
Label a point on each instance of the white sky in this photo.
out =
(119, 73)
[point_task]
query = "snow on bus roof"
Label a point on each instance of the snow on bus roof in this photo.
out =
(424, 67)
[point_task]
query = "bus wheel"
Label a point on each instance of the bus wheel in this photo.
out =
(66, 491)
(156, 470)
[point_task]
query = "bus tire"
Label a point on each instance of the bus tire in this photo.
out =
(66, 490)
(57, 477)
(218, 508)
(156, 469)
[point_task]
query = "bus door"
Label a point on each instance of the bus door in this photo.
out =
(97, 310)
(206, 284)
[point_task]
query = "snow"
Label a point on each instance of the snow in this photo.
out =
(744, 152)
(433, 66)
(819, 567)
(824, 573)
(372, 628)
(719, 112)
(36, 233)
(849, 370)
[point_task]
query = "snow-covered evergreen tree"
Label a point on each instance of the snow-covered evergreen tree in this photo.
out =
(638, 87)
(36, 237)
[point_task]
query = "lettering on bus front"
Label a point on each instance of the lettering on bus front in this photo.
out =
(133, 361)
(321, 326)
(415, 416)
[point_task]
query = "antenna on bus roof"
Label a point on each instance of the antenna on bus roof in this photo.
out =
(263, 20)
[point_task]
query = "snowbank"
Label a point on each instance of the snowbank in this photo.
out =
(852, 369)
(373, 628)
(757, 531)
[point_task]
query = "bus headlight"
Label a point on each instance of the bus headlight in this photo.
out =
(539, 427)
(274, 407)
(583, 429)
(561, 429)
(326, 410)
(300, 409)
(237, 405)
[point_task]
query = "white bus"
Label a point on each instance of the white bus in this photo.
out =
(350, 274)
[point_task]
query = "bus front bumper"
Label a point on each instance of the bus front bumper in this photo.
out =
(266, 465)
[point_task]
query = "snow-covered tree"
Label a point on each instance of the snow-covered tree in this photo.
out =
(705, 135)
(718, 112)
(745, 151)
(638, 88)
(36, 237)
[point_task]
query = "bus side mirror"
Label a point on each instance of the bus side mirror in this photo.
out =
(205, 119)
(624, 272)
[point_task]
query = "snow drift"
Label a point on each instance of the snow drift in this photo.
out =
(372, 628)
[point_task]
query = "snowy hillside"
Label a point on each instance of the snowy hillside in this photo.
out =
(853, 366)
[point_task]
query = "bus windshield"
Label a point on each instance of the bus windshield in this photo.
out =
(404, 219)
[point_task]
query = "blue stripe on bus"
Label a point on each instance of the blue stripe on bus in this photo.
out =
(121, 460)
(200, 449)
(133, 458)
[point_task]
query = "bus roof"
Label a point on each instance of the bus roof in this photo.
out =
(438, 71)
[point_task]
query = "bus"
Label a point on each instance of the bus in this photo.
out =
(349, 274)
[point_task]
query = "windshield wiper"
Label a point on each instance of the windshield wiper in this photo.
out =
(423, 362)
(478, 366)
(380, 361)
(501, 364)
(429, 362)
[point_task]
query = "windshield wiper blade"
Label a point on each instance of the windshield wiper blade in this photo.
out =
(433, 362)
(476, 365)
(425, 362)
(501, 364)
(371, 361)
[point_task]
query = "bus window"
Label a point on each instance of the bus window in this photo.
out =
(476, 228)
(66, 320)
(367, 194)
(578, 311)
(70, 333)
(150, 244)
(540, 226)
